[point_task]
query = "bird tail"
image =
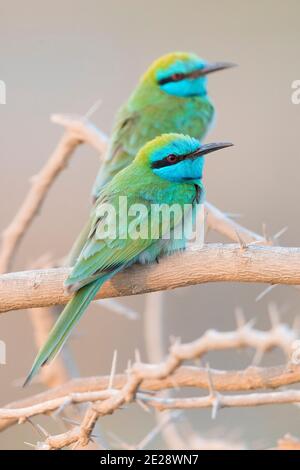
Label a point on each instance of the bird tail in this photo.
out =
(62, 328)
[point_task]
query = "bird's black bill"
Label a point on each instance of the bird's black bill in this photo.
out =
(208, 148)
(215, 67)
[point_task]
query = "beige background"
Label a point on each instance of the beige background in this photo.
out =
(62, 56)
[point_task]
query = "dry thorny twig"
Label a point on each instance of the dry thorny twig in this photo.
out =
(134, 387)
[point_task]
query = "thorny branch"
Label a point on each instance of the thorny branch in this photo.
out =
(77, 131)
(111, 393)
(212, 263)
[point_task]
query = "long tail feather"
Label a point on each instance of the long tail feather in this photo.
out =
(62, 328)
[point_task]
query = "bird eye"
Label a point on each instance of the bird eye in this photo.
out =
(177, 76)
(172, 159)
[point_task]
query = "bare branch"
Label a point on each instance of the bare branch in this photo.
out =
(224, 401)
(76, 131)
(214, 262)
(223, 224)
(168, 374)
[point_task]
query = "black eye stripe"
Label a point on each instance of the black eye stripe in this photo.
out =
(164, 162)
(173, 78)
(177, 77)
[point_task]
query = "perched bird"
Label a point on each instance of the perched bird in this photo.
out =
(170, 97)
(166, 171)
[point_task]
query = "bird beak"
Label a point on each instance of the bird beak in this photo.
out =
(208, 148)
(215, 67)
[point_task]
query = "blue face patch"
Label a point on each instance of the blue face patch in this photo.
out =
(181, 86)
(189, 170)
(186, 171)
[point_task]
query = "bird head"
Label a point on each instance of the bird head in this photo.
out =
(182, 74)
(177, 158)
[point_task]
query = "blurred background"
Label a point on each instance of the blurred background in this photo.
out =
(65, 55)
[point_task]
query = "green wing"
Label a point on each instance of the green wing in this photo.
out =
(121, 150)
(104, 251)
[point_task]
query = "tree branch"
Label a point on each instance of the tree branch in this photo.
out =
(214, 262)
(77, 130)
(223, 401)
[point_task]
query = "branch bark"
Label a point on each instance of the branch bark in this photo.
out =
(214, 262)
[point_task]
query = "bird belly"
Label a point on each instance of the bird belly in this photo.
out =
(179, 238)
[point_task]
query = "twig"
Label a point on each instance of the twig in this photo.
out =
(214, 262)
(77, 130)
(220, 222)
(224, 401)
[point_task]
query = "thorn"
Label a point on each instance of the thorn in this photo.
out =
(175, 341)
(240, 318)
(242, 243)
(264, 231)
(172, 339)
(113, 370)
(37, 427)
(30, 445)
(280, 233)
(233, 215)
(118, 308)
(157, 429)
(92, 109)
(137, 356)
(70, 421)
(265, 292)
(143, 405)
(128, 368)
(274, 314)
(250, 324)
(257, 358)
(60, 409)
(215, 407)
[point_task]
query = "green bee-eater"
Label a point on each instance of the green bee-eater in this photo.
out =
(170, 97)
(167, 171)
